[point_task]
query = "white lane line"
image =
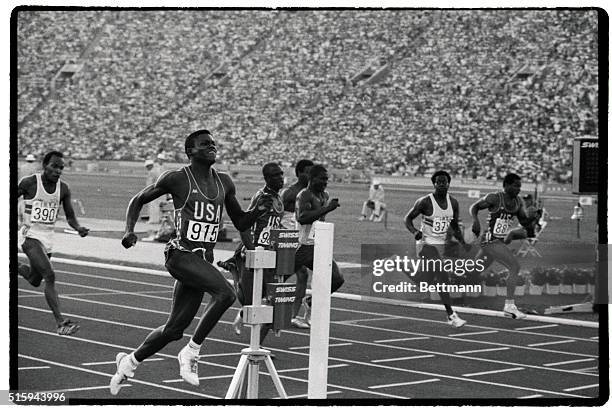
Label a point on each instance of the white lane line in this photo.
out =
(306, 368)
(345, 360)
(286, 377)
(114, 362)
(33, 368)
(306, 395)
(594, 338)
(223, 354)
(535, 327)
(530, 396)
(399, 384)
(99, 387)
(212, 377)
(550, 343)
(401, 339)
(199, 394)
(403, 358)
(584, 387)
(99, 277)
(482, 350)
(550, 364)
(589, 369)
(305, 347)
(474, 333)
(473, 374)
(391, 317)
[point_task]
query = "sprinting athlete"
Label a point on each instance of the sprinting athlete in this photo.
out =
(313, 204)
(439, 213)
(42, 194)
(503, 206)
(258, 235)
(289, 195)
(199, 194)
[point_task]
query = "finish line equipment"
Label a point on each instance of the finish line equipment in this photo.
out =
(255, 315)
(321, 296)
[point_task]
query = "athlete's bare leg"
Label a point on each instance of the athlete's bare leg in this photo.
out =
(194, 276)
(497, 251)
(41, 266)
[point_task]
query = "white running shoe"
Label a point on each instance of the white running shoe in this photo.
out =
(455, 321)
(362, 218)
(125, 370)
(298, 322)
(237, 324)
(510, 310)
(188, 366)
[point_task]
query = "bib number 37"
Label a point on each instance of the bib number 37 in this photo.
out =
(202, 232)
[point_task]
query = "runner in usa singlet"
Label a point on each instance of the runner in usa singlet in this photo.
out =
(197, 221)
(500, 220)
(272, 219)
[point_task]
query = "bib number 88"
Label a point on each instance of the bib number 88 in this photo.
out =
(501, 226)
(202, 232)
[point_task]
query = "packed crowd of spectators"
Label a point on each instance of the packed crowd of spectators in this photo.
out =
(479, 93)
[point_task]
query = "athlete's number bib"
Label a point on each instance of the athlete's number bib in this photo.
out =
(440, 225)
(501, 226)
(202, 232)
(42, 213)
(264, 236)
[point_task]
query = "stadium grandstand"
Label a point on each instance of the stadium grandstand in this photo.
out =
(478, 93)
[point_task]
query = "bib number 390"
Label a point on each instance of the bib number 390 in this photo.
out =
(202, 232)
(41, 214)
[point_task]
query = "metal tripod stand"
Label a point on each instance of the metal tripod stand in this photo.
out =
(255, 315)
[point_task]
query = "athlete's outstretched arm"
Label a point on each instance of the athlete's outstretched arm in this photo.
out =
(159, 188)
(414, 212)
(66, 200)
(242, 220)
(490, 200)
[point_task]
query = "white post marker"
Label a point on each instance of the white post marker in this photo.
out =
(321, 296)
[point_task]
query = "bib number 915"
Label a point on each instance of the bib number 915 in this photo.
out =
(202, 232)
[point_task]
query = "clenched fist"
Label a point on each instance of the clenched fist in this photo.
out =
(129, 239)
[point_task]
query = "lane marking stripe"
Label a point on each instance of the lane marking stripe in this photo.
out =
(482, 350)
(474, 333)
(401, 339)
(402, 358)
(550, 343)
(550, 364)
(535, 327)
(584, 387)
(399, 384)
(492, 372)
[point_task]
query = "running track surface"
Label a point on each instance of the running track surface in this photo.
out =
(376, 351)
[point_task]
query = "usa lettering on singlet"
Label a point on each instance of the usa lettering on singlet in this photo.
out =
(500, 220)
(435, 227)
(197, 221)
(40, 215)
(272, 219)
